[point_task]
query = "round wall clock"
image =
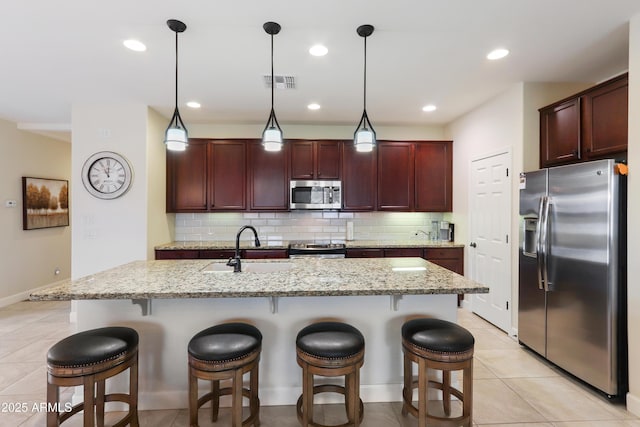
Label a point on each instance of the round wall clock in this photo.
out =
(107, 175)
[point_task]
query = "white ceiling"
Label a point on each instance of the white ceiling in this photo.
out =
(55, 54)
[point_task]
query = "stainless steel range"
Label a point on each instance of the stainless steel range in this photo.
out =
(317, 250)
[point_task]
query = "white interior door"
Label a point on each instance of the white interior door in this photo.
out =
(489, 250)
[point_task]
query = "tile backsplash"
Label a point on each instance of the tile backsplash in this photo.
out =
(321, 226)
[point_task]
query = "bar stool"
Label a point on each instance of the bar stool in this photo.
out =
(330, 349)
(88, 358)
(225, 352)
(440, 345)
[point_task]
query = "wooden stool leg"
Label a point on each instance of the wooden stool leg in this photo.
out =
(423, 393)
(307, 397)
(215, 399)
(236, 399)
(407, 391)
(356, 398)
(254, 400)
(100, 392)
(53, 397)
(133, 392)
(193, 398)
(89, 400)
(467, 387)
(446, 392)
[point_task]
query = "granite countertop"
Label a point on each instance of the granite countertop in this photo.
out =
(308, 277)
(354, 244)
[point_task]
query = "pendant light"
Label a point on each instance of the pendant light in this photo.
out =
(364, 137)
(272, 134)
(176, 137)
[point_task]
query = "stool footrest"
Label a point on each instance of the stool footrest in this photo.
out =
(328, 388)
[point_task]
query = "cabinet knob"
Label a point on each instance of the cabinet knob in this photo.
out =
(473, 244)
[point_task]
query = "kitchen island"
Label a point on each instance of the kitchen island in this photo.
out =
(174, 299)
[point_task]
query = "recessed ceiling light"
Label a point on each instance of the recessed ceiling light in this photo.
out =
(193, 104)
(313, 106)
(497, 54)
(135, 45)
(429, 108)
(318, 50)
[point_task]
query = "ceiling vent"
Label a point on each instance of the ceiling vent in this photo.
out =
(282, 82)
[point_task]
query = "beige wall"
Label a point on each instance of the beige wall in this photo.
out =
(633, 213)
(507, 123)
(160, 226)
(28, 259)
(426, 132)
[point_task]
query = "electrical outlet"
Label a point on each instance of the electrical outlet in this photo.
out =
(10, 204)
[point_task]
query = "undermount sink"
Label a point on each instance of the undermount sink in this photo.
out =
(249, 267)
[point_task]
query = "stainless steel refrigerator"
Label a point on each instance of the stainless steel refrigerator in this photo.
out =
(572, 276)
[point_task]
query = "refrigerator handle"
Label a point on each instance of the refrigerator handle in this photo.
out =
(545, 244)
(539, 253)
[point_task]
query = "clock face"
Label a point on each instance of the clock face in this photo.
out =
(106, 175)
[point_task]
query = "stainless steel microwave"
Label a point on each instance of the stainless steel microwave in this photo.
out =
(315, 194)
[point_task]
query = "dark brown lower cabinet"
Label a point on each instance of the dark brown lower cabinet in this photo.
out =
(265, 253)
(365, 253)
(403, 252)
(178, 254)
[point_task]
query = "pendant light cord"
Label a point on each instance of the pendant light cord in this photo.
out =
(364, 106)
(176, 70)
(273, 83)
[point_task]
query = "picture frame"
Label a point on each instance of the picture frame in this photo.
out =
(45, 203)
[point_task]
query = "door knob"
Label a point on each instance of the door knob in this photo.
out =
(473, 244)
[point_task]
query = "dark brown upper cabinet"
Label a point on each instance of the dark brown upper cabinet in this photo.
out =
(587, 126)
(187, 178)
(228, 175)
(315, 159)
(395, 176)
(433, 174)
(415, 176)
(207, 176)
(268, 178)
(359, 179)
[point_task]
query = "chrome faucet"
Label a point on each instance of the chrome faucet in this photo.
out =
(423, 232)
(235, 261)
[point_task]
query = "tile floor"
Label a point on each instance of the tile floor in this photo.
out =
(512, 388)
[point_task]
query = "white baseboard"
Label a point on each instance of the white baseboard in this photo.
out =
(633, 404)
(22, 296)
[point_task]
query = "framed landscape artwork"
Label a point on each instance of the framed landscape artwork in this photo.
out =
(45, 203)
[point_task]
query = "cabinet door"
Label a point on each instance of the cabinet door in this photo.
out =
(302, 160)
(328, 159)
(449, 258)
(560, 133)
(187, 178)
(177, 254)
(433, 175)
(265, 253)
(605, 119)
(403, 252)
(365, 253)
(228, 175)
(268, 178)
(217, 253)
(359, 172)
(395, 176)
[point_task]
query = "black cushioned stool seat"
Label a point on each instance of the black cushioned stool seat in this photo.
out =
(330, 349)
(440, 345)
(88, 358)
(225, 352)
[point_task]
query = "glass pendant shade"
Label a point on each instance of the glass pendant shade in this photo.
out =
(272, 134)
(176, 137)
(364, 138)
